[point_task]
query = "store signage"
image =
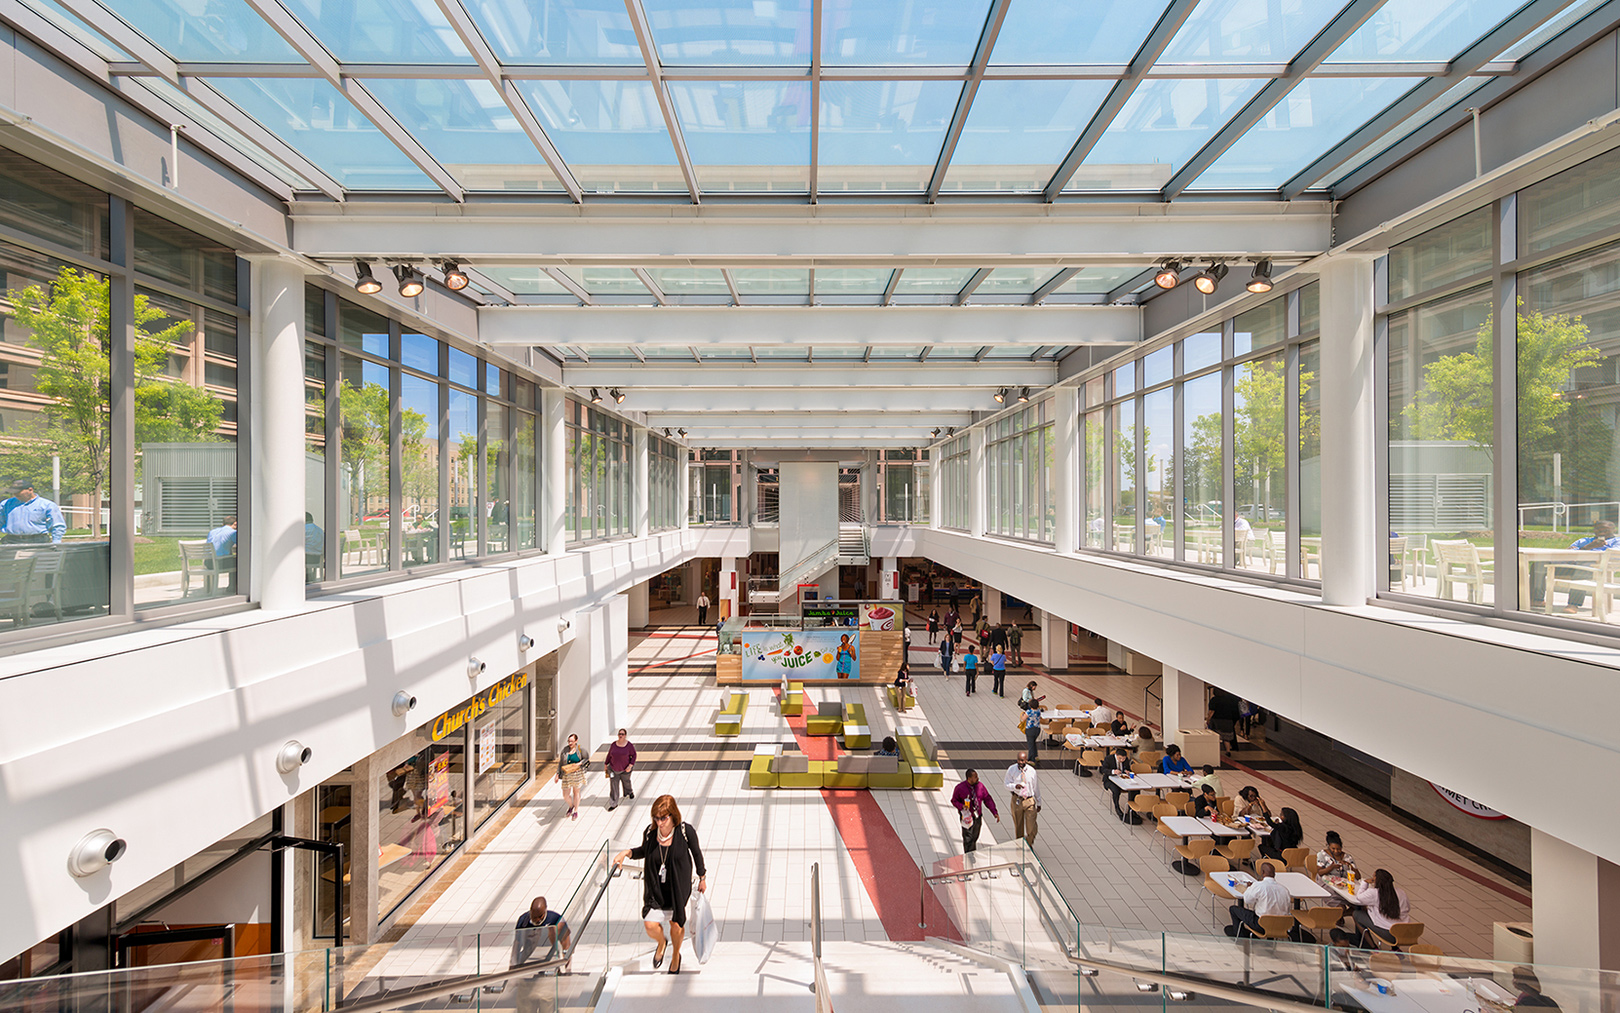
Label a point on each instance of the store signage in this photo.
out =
(831, 652)
(452, 721)
(1467, 804)
(831, 614)
(438, 782)
(881, 617)
(484, 754)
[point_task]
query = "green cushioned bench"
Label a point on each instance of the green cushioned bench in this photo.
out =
(856, 733)
(732, 709)
(826, 719)
(896, 703)
(792, 702)
(917, 749)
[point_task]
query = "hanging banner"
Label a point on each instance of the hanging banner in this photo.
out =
(1467, 804)
(881, 617)
(800, 655)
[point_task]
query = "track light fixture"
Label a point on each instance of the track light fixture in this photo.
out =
(455, 279)
(617, 395)
(1209, 279)
(410, 280)
(364, 281)
(951, 431)
(934, 433)
(1000, 395)
(666, 431)
(1169, 275)
(682, 432)
(596, 396)
(1023, 395)
(1260, 278)
(525, 641)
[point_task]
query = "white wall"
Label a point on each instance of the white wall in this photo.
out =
(809, 509)
(168, 737)
(593, 675)
(1460, 704)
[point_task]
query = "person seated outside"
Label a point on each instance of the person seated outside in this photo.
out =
(890, 747)
(1381, 905)
(1101, 713)
(1145, 742)
(1210, 778)
(1332, 860)
(1602, 537)
(1172, 762)
(1251, 804)
(1205, 805)
(1264, 897)
(1529, 988)
(1117, 762)
(1285, 835)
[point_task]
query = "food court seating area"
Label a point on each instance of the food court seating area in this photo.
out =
(791, 703)
(733, 705)
(773, 768)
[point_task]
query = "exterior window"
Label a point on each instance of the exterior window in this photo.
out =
(1092, 523)
(1122, 440)
(1259, 464)
(525, 473)
(315, 456)
(461, 456)
(420, 468)
(1203, 503)
(1158, 472)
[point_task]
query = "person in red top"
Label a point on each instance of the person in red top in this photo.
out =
(970, 798)
(621, 759)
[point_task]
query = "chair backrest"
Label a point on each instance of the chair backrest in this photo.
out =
(1057, 729)
(14, 574)
(1276, 926)
(1242, 847)
(1226, 804)
(1456, 552)
(1406, 933)
(1213, 863)
(791, 763)
(1141, 768)
(1151, 757)
(48, 560)
(1201, 846)
(1397, 548)
(1296, 857)
(1162, 810)
(1279, 539)
(1427, 949)
(195, 551)
(929, 749)
(1177, 798)
(1091, 757)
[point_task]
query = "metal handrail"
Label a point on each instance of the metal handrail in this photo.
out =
(970, 873)
(823, 999)
(1200, 986)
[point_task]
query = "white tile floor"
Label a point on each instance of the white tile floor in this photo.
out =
(760, 844)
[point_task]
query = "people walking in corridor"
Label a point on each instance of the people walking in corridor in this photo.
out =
(670, 850)
(621, 760)
(933, 626)
(703, 609)
(571, 772)
(970, 799)
(998, 669)
(1026, 797)
(1015, 643)
(945, 656)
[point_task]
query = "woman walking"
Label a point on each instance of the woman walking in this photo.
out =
(571, 772)
(933, 626)
(669, 847)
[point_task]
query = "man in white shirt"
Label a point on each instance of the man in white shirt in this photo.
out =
(1264, 897)
(703, 609)
(1026, 797)
(1100, 714)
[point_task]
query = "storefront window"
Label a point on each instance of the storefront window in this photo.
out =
(500, 753)
(421, 814)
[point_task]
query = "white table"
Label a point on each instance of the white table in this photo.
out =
(1345, 895)
(1423, 994)
(1192, 826)
(1147, 782)
(1300, 887)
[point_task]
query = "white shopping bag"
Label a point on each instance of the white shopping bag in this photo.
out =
(701, 928)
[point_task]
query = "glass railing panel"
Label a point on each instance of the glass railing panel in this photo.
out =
(1386, 982)
(1279, 968)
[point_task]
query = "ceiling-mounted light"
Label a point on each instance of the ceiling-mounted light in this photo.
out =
(1260, 279)
(617, 395)
(934, 433)
(410, 281)
(1023, 395)
(951, 431)
(292, 756)
(1000, 395)
(1209, 279)
(525, 641)
(364, 281)
(666, 431)
(455, 279)
(682, 432)
(1169, 275)
(596, 397)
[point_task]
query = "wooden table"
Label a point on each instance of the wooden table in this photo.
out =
(1548, 558)
(1299, 886)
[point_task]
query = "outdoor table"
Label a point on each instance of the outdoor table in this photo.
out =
(1548, 558)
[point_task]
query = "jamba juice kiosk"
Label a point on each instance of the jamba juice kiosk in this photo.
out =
(831, 642)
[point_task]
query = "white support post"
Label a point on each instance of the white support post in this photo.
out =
(1065, 491)
(1183, 704)
(976, 498)
(729, 588)
(276, 413)
(992, 604)
(1575, 904)
(1348, 482)
(554, 469)
(889, 579)
(640, 605)
(1054, 642)
(640, 516)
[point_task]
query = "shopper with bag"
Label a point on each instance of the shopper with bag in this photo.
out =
(970, 799)
(669, 848)
(571, 772)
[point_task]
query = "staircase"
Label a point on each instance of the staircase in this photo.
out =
(805, 571)
(852, 550)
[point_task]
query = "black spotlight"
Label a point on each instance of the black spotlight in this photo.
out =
(1169, 275)
(934, 433)
(410, 281)
(1260, 280)
(364, 281)
(682, 432)
(455, 279)
(617, 395)
(1023, 395)
(666, 431)
(596, 397)
(1209, 279)
(1000, 395)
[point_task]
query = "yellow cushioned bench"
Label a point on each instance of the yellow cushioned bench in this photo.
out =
(917, 749)
(856, 733)
(760, 772)
(826, 719)
(798, 771)
(732, 709)
(792, 702)
(894, 698)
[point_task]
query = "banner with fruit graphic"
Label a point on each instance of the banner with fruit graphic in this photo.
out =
(831, 653)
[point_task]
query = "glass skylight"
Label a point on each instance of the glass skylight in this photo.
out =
(375, 31)
(771, 280)
(746, 135)
(851, 280)
(611, 133)
(525, 280)
(935, 33)
(1018, 131)
(469, 129)
(226, 31)
(1068, 32)
(607, 280)
(1248, 31)
(756, 32)
(883, 135)
(1163, 124)
(689, 280)
(557, 31)
(932, 280)
(1015, 280)
(1097, 280)
(1420, 31)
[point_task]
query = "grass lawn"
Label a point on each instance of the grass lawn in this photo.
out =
(156, 555)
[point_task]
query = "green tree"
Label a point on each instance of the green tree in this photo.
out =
(69, 322)
(364, 441)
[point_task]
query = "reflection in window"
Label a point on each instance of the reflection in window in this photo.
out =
(419, 469)
(1310, 461)
(421, 816)
(1158, 472)
(462, 458)
(1259, 465)
(314, 462)
(363, 466)
(1123, 508)
(1202, 498)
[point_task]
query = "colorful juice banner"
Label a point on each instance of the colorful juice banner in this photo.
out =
(801, 655)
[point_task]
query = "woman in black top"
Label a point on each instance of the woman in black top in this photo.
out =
(670, 849)
(1285, 835)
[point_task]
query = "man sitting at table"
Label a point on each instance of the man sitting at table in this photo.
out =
(1204, 804)
(1172, 762)
(1210, 778)
(1264, 897)
(1119, 726)
(1602, 537)
(1118, 762)
(1101, 714)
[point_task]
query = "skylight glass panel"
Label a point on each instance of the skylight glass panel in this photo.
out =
(1314, 117)
(468, 128)
(73, 26)
(557, 31)
(839, 352)
(667, 352)
(607, 280)
(617, 352)
(782, 352)
(1015, 280)
(1455, 94)
(1249, 31)
(1530, 43)
(1423, 31)
(756, 32)
(1074, 31)
(936, 33)
(1163, 124)
(891, 352)
(932, 280)
(746, 135)
(690, 280)
(226, 31)
(318, 120)
(525, 280)
(771, 280)
(1013, 351)
(1097, 280)
(372, 31)
(611, 133)
(938, 352)
(204, 118)
(732, 352)
(882, 135)
(1018, 131)
(851, 280)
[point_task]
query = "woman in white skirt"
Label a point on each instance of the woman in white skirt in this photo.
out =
(571, 772)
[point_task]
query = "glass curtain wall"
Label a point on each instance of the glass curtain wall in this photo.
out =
(1018, 466)
(1163, 444)
(600, 473)
(664, 483)
(903, 492)
(954, 474)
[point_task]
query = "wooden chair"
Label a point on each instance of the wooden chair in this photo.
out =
(1151, 758)
(1092, 760)
(1299, 860)
(1195, 850)
(1425, 956)
(1143, 804)
(1238, 850)
(1226, 804)
(1397, 564)
(1385, 965)
(1426, 949)
(1601, 582)
(1459, 562)
(1271, 927)
(1319, 920)
(1178, 799)
(1404, 933)
(1207, 865)
(1141, 768)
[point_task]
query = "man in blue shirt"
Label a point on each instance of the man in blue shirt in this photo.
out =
(539, 927)
(1602, 537)
(223, 540)
(30, 518)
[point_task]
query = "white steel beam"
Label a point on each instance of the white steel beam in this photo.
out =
(769, 422)
(1066, 235)
(867, 376)
(910, 393)
(741, 326)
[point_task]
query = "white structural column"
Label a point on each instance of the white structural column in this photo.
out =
(593, 674)
(1348, 482)
(1054, 642)
(276, 534)
(640, 608)
(683, 487)
(1065, 491)
(1183, 703)
(729, 589)
(639, 492)
(936, 486)
(889, 578)
(975, 490)
(1575, 904)
(992, 604)
(869, 489)
(554, 470)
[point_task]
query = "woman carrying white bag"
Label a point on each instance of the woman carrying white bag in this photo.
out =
(670, 850)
